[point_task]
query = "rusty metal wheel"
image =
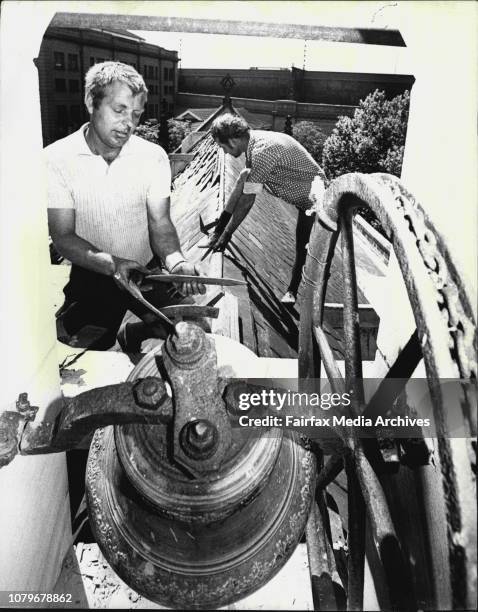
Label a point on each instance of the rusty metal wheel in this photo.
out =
(445, 337)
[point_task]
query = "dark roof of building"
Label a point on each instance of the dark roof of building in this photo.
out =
(120, 32)
(257, 121)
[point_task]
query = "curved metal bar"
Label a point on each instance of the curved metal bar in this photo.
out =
(315, 274)
(447, 334)
(353, 353)
(356, 538)
(429, 273)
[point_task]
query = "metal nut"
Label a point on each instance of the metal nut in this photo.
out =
(25, 408)
(199, 439)
(150, 392)
(187, 344)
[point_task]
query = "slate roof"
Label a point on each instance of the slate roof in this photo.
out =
(257, 121)
(261, 252)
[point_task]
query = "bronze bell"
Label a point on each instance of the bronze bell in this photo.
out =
(196, 513)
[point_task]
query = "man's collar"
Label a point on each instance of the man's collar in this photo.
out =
(83, 148)
(82, 145)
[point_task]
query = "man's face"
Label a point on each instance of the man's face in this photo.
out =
(233, 146)
(117, 115)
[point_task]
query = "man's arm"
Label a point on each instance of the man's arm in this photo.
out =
(165, 244)
(236, 193)
(61, 223)
(243, 206)
(241, 210)
(232, 202)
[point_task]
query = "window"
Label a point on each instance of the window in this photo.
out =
(166, 74)
(73, 62)
(151, 72)
(150, 110)
(62, 116)
(59, 59)
(156, 72)
(99, 60)
(92, 61)
(60, 85)
(74, 85)
(75, 116)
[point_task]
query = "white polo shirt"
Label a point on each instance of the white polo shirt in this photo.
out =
(110, 200)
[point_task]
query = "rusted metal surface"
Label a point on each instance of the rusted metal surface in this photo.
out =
(82, 414)
(446, 335)
(184, 563)
(330, 471)
(11, 424)
(319, 566)
(24, 407)
(356, 538)
(353, 356)
(190, 360)
(196, 542)
(330, 366)
(314, 276)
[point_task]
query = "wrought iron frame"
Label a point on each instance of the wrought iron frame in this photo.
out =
(445, 337)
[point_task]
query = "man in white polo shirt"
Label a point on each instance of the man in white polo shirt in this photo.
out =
(279, 163)
(109, 209)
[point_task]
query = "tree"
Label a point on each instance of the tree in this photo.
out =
(311, 137)
(178, 130)
(372, 140)
(149, 130)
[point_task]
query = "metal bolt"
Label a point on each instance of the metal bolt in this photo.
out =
(150, 393)
(25, 408)
(149, 387)
(199, 439)
(187, 344)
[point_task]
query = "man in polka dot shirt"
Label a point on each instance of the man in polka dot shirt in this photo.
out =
(280, 164)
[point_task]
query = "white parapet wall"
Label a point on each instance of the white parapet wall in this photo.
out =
(34, 503)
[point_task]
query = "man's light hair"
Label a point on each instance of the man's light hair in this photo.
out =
(229, 126)
(103, 74)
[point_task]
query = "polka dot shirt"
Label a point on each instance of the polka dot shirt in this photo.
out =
(282, 164)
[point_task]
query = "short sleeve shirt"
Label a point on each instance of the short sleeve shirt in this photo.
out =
(110, 200)
(283, 165)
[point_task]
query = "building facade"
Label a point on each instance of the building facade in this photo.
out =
(342, 88)
(67, 53)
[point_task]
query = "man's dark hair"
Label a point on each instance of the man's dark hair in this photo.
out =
(229, 126)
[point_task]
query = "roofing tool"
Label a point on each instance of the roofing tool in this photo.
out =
(206, 227)
(186, 278)
(209, 249)
(205, 230)
(135, 292)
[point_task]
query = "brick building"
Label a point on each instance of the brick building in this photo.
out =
(67, 53)
(341, 88)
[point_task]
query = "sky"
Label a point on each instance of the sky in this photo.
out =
(227, 51)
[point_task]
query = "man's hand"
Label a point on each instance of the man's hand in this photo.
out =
(127, 271)
(192, 287)
(221, 242)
